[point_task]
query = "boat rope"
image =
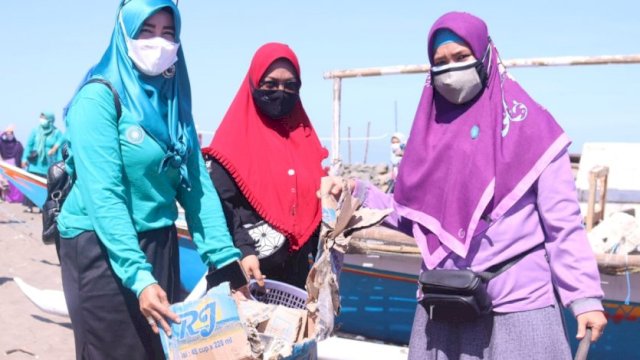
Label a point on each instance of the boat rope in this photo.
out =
(627, 300)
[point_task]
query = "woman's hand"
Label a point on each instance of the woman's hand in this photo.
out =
(336, 186)
(25, 164)
(251, 266)
(155, 308)
(594, 320)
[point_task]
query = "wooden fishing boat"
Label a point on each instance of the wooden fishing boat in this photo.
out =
(32, 186)
(378, 297)
(379, 282)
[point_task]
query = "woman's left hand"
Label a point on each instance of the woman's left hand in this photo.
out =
(594, 320)
(154, 305)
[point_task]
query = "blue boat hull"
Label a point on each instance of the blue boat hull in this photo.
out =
(377, 306)
(32, 186)
(380, 304)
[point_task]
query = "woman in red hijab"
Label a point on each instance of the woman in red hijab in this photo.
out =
(266, 167)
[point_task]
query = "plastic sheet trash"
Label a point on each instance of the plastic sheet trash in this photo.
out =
(339, 220)
(616, 234)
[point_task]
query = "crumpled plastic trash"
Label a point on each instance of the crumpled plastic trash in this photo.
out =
(339, 220)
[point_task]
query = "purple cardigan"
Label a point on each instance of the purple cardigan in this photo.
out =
(547, 217)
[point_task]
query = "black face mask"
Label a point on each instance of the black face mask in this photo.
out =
(275, 104)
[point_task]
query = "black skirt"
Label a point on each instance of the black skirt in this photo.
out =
(106, 318)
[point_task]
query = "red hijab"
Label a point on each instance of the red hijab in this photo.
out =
(276, 166)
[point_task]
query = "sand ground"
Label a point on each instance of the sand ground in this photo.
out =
(28, 332)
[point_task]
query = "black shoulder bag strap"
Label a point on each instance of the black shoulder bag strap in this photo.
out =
(501, 267)
(116, 102)
(59, 182)
(116, 98)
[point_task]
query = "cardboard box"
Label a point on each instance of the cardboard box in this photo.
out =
(284, 333)
(285, 323)
(210, 329)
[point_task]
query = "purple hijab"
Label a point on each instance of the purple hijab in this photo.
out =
(451, 184)
(10, 149)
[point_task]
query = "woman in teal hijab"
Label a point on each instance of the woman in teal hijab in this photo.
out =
(42, 149)
(131, 166)
(43, 145)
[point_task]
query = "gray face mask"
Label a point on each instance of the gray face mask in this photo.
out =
(457, 82)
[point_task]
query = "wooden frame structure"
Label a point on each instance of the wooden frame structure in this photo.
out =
(338, 75)
(598, 177)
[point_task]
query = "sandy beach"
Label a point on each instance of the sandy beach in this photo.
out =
(29, 333)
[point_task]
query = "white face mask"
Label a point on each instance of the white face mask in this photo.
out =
(457, 82)
(151, 56)
(43, 122)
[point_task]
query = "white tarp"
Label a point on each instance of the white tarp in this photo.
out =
(623, 185)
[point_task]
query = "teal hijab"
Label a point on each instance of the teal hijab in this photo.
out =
(162, 106)
(43, 134)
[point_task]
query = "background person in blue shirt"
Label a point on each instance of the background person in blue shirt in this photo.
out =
(42, 146)
(42, 149)
(119, 251)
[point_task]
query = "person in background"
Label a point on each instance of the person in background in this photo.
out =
(486, 178)
(42, 149)
(397, 150)
(266, 167)
(119, 248)
(11, 151)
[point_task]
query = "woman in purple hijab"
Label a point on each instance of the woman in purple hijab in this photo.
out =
(486, 177)
(11, 153)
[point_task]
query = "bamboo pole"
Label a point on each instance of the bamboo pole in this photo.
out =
(349, 142)
(335, 141)
(397, 242)
(358, 246)
(395, 114)
(618, 263)
(384, 234)
(366, 144)
(530, 62)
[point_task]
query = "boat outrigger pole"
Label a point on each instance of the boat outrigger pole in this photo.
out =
(338, 75)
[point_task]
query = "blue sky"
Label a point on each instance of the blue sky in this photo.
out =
(48, 45)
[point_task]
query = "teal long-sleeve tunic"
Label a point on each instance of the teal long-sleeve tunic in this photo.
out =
(41, 165)
(119, 192)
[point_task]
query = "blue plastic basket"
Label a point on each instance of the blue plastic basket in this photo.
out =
(279, 293)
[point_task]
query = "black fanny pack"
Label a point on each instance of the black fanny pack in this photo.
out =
(33, 157)
(59, 185)
(460, 295)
